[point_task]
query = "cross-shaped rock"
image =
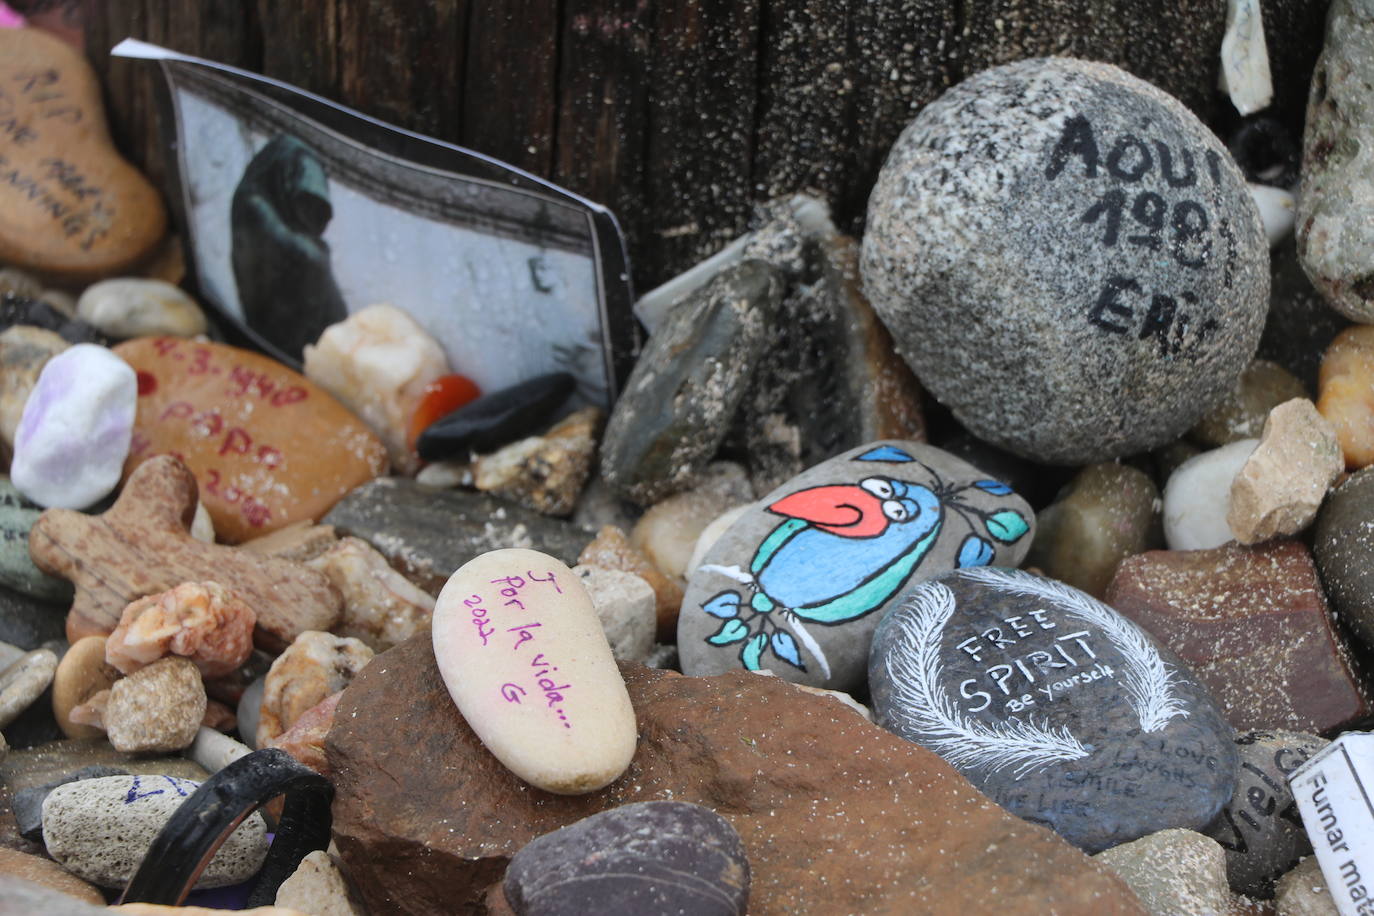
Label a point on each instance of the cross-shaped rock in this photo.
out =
(142, 545)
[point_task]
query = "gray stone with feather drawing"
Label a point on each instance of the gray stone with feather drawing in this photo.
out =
(1059, 708)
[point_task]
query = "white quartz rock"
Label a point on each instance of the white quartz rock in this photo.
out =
(1276, 208)
(1197, 497)
(76, 427)
(139, 307)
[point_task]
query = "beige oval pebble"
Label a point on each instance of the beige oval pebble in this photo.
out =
(24, 681)
(136, 307)
(523, 655)
(81, 674)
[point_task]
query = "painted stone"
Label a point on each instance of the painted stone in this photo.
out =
(100, 829)
(268, 446)
(17, 516)
(521, 650)
(646, 857)
(69, 205)
(1067, 209)
(1056, 706)
(76, 427)
(141, 546)
(799, 583)
(1260, 827)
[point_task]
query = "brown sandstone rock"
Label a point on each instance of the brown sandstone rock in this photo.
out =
(70, 207)
(1254, 626)
(837, 815)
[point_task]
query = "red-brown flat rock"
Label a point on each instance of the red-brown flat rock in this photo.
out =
(1254, 626)
(142, 546)
(268, 446)
(70, 207)
(836, 814)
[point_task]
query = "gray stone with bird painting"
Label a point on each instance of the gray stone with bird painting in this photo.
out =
(798, 584)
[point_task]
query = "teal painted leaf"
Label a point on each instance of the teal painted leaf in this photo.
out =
(1007, 526)
(753, 650)
(732, 630)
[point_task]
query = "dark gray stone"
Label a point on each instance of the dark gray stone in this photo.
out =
(28, 803)
(1060, 709)
(27, 622)
(798, 583)
(22, 310)
(17, 570)
(1068, 259)
(648, 858)
(678, 402)
(427, 533)
(1260, 827)
(1342, 544)
(495, 419)
(1300, 325)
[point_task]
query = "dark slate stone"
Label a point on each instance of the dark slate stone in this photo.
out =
(428, 533)
(648, 858)
(1068, 259)
(27, 622)
(1266, 151)
(1260, 827)
(17, 569)
(22, 310)
(1300, 325)
(495, 419)
(28, 803)
(1342, 543)
(1060, 709)
(694, 371)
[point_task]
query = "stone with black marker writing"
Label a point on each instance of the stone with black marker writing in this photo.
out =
(1068, 259)
(523, 655)
(1056, 706)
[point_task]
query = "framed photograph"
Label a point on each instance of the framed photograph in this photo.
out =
(298, 212)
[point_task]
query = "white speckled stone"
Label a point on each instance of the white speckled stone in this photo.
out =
(99, 829)
(1068, 259)
(1197, 497)
(74, 434)
(521, 651)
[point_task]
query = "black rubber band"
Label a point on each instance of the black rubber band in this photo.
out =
(204, 821)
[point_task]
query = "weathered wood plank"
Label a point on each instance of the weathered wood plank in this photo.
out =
(510, 93)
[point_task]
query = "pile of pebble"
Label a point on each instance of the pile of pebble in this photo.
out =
(1044, 509)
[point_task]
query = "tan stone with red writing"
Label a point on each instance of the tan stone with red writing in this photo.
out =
(268, 446)
(142, 546)
(521, 650)
(70, 207)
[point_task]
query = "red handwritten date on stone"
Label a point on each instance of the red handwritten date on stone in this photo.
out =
(523, 655)
(268, 447)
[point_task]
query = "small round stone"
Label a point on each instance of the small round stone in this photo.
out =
(82, 673)
(157, 708)
(139, 307)
(1068, 259)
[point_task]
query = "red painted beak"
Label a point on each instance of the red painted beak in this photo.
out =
(847, 510)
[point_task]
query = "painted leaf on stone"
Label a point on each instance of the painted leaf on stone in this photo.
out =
(753, 650)
(1007, 526)
(785, 648)
(974, 552)
(995, 487)
(733, 631)
(725, 605)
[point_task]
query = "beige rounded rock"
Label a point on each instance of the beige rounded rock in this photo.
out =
(157, 708)
(668, 531)
(136, 307)
(81, 674)
(100, 829)
(523, 655)
(23, 681)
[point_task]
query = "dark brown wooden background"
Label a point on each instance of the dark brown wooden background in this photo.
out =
(678, 114)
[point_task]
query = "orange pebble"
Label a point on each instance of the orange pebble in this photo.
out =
(1346, 383)
(441, 397)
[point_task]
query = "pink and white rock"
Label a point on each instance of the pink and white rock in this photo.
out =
(381, 607)
(304, 740)
(522, 653)
(157, 708)
(625, 605)
(138, 307)
(314, 666)
(1283, 482)
(100, 829)
(74, 434)
(202, 621)
(378, 362)
(1197, 497)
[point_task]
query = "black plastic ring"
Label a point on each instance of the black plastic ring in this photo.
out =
(204, 821)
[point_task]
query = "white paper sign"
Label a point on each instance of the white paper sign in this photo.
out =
(1334, 791)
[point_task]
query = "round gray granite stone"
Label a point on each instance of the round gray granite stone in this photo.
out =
(1059, 708)
(1068, 259)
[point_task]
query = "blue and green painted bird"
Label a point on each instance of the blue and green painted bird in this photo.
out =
(842, 552)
